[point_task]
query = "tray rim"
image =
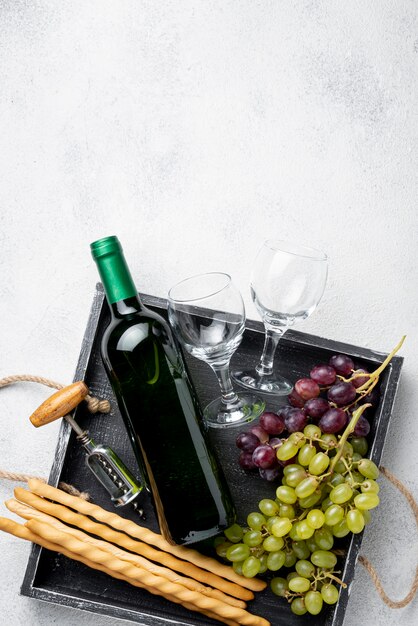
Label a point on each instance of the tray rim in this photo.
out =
(116, 611)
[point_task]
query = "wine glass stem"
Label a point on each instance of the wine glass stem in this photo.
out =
(265, 366)
(227, 391)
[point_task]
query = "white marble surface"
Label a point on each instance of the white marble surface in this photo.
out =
(194, 130)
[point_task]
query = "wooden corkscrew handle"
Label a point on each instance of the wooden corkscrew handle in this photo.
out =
(59, 404)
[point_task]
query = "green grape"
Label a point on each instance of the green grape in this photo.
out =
(360, 445)
(298, 439)
(290, 559)
(304, 530)
(310, 501)
(306, 487)
(347, 450)
(279, 586)
(354, 479)
(324, 558)
(356, 457)
(306, 453)
(234, 533)
(370, 486)
(313, 602)
(252, 538)
(340, 467)
(318, 464)
(355, 521)
(366, 501)
(218, 540)
(288, 469)
(312, 431)
(276, 560)
(295, 477)
(268, 507)
(271, 544)
(334, 514)
(311, 544)
(238, 552)
(284, 481)
(305, 568)
(263, 563)
(340, 529)
(298, 606)
(281, 527)
(287, 510)
(256, 521)
(286, 494)
(341, 493)
(299, 584)
(325, 504)
(324, 538)
(337, 479)
(270, 522)
(329, 593)
(367, 516)
(293, 533)
(237, 567)
(315, 518)
(368, 468)
(251, 567)
(221, 548)
(328, 441)
(301, 549)
(287, 451)
(292, 575)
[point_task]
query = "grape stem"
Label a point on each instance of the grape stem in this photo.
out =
(380, 369)
(349, 429)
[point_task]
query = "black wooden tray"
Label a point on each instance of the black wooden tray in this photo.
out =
(54, 578)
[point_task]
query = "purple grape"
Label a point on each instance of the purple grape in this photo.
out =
(265, 457)
(246, 461)
(260, 433)
(307, 388)
(362, 428)
(269, 474)
(282, 411)
(371, 398)
(323, 374)
(358, 382)
(342, 364)
(333, 421)
(275, 442)
(247, 442)
(341, 393)
(316, 407)
(272, 423)
(295, 420)
(295, 400)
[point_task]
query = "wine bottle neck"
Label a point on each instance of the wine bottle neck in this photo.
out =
(115, 275)
(126, 307)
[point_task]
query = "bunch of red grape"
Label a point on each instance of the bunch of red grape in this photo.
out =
(326, 398)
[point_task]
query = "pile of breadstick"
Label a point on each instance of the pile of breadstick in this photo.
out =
(72, 526)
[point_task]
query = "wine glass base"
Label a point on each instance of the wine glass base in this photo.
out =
(219, 415)
(272, 384)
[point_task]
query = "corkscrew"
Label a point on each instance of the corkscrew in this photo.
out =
(101, 460)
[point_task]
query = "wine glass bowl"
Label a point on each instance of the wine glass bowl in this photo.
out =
(208, 316)
(287, 283)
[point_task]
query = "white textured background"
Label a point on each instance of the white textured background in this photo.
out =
(194, 130)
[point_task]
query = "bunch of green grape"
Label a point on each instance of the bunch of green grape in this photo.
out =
(326, 494)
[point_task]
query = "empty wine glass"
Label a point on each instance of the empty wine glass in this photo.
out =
(208, 316)
(287, 283)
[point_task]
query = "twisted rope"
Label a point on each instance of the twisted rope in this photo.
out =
(24, 478)
(394, 604)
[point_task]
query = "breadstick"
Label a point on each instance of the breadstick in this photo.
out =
(113, 536)
(150, 580)
(139, 532)
(28, 512)
(22, 532)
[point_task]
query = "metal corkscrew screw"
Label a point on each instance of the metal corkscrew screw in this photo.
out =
(122, 487)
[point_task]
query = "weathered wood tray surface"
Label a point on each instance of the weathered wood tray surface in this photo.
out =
(54, 578)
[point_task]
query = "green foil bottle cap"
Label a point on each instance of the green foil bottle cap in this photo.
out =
(113, 269)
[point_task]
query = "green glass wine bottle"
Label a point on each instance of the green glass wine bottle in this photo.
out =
(160, 409)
